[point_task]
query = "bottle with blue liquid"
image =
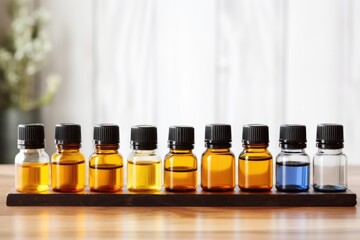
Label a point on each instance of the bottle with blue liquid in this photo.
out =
(292, 163)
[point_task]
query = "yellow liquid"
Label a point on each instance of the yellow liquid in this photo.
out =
(144, 176)
(32, 177)
(68, 176)
(106, 177)
(218, 170)
(255, 174)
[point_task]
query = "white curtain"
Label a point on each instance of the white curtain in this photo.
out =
(192, 62)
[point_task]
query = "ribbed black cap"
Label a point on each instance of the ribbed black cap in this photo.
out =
(218, 136)
(67, 133)
(31, 136)
(181, 137)
(255, 134)
(143, 137)
(106, 134)
(330, 136)
(292, 136)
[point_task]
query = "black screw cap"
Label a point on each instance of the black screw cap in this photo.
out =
(31, 136)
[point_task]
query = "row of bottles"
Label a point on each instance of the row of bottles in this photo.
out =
(144, 165)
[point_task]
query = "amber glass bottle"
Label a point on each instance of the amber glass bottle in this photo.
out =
(255, 161)
(68, 163)
(180, 165)
(106, 164)
(32, 173)
(218, 162)
(144, 164)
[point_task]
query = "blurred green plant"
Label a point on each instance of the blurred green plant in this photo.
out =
(22, 54)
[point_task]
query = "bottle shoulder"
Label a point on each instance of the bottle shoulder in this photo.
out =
(144, 156)
(175, 156)
(293, 157)
(113, 158)
(32, 155)
(65, 156)
(255, 154)
(324, 156)
(209, 154)
(292, 153)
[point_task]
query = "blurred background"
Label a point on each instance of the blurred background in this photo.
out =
(194, 62)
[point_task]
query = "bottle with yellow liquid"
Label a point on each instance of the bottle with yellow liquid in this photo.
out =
(144, 164)
(218, 162)
(68, 163)
(32, 173)
(106, 164)
(180, 165)
(255, 161)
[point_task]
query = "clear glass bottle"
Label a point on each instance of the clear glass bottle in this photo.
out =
(255, 161)
(218, 162)
(68, 163)
(180, 164)
(144, 164)
(106, 164)
(32, 173)
(292, 163)
(330, 164)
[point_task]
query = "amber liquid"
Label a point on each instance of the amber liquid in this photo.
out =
(32, 177)
(255, 174)
(218, 170)
(180, 179)
(106, 177)
(144, 176)
(68, 176)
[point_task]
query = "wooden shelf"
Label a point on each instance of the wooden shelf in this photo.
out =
(199, 199)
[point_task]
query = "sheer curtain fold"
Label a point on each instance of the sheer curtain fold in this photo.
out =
(196, 62)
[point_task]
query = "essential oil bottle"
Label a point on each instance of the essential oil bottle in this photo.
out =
(106, 164)
(144, 164)
(68, 163)
(180, 165)
(292, 163)
(330, 164)
(32, 162)
(255, 161)
(218, 162)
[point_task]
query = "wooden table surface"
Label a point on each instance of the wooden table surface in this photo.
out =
(177, 222)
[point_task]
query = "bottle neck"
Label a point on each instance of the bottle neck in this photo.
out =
(106, 148)
(259, 146)
(70, 148)
(219, 150)
(287, 150)
(144, 152)
(330, 151)
(177, 151)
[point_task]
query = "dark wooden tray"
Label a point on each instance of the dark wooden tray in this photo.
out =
(199, 199)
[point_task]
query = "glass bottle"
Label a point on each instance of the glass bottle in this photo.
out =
(330, 164)
(32, 162)
(68, 163)
(218, 162)
(144, 164)
(180, 164)
(106, 164)
(292, 163)
(255, 161)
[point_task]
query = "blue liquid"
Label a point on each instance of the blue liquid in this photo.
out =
(292, 176)
(329, 188)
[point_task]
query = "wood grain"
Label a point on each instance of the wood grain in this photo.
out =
(177, 222)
